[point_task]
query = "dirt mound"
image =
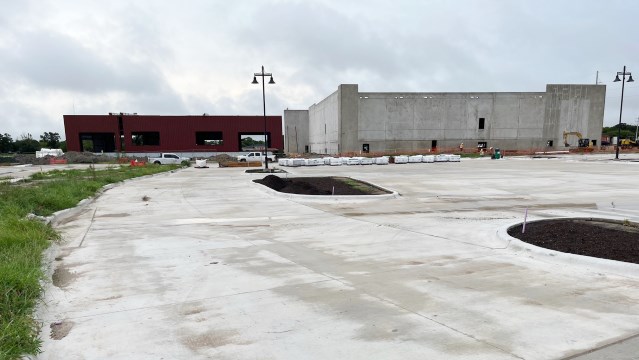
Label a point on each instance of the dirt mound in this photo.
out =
(30, 159)
(7, 159)
(320, 186)
(306, 188)
(274, 182)
(222, 158)
(74, 157)
(602, 239)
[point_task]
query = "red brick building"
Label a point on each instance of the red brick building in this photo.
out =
(117, 132)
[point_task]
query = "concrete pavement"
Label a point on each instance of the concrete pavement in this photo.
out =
(209, 265)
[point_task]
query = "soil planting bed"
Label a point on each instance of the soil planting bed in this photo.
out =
(614, 240)
(320, 186)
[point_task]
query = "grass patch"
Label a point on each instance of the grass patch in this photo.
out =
(361, 186)
(22, 242)
(473, 155)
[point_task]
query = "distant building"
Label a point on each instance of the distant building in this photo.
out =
(132, 133)
(353, 121)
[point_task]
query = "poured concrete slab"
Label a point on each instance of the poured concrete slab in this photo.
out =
(200, 264)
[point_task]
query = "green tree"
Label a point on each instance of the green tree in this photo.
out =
(63, 145)
(627, 131)
(27, 144)
(87, 145)
(50, 140)
(6, 143)
(250, 142)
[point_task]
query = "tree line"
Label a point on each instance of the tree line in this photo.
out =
(27, 144)
(628, 131)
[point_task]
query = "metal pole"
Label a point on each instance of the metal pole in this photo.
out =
(264, 105)
(623, 80)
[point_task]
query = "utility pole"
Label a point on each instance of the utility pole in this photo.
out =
(263, 75)
(623, 81)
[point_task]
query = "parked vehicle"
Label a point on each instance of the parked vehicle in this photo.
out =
(256, 156)
(168, 158)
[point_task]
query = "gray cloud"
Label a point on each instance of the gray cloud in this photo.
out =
(57, 61)
(161, 57)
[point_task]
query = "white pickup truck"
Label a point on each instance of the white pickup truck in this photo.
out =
(256, 156)
(168, 158)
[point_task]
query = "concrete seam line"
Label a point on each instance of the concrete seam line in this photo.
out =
(58, 216)
(601, 347)
(192, 301)
(410, 311)
(435, 321)
(396, 228)
(89, 227)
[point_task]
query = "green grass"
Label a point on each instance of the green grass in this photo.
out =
(361, 186)
(22, 242)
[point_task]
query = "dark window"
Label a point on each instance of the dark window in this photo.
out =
(365, 148)
(434, 144)
(482, 145)
(208, 138)
(145, 138)
(481, 123)
(549, 143)
(306, 148)
(594, 142)
(97, 142)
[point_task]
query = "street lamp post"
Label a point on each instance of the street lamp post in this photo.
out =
(263, 74)
(623, 81)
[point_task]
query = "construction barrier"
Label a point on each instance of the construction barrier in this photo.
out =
(54, 161)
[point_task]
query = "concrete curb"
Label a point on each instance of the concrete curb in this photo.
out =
(592, 263)
(325, 199)
(59, 216)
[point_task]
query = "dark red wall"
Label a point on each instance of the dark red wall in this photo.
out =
(177, 133)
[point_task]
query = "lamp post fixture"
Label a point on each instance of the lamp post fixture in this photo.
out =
(263, 74)
(623, 81)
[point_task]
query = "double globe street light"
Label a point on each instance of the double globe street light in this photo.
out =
(263, 74)
(623, 81)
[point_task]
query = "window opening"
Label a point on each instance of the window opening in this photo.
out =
(209, 138)
(141, 138)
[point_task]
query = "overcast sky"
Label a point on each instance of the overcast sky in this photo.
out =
(198, 56)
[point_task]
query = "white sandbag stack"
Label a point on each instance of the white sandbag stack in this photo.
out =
(401, 159)
(383, 160)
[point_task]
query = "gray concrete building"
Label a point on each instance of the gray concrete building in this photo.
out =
(353, 121)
